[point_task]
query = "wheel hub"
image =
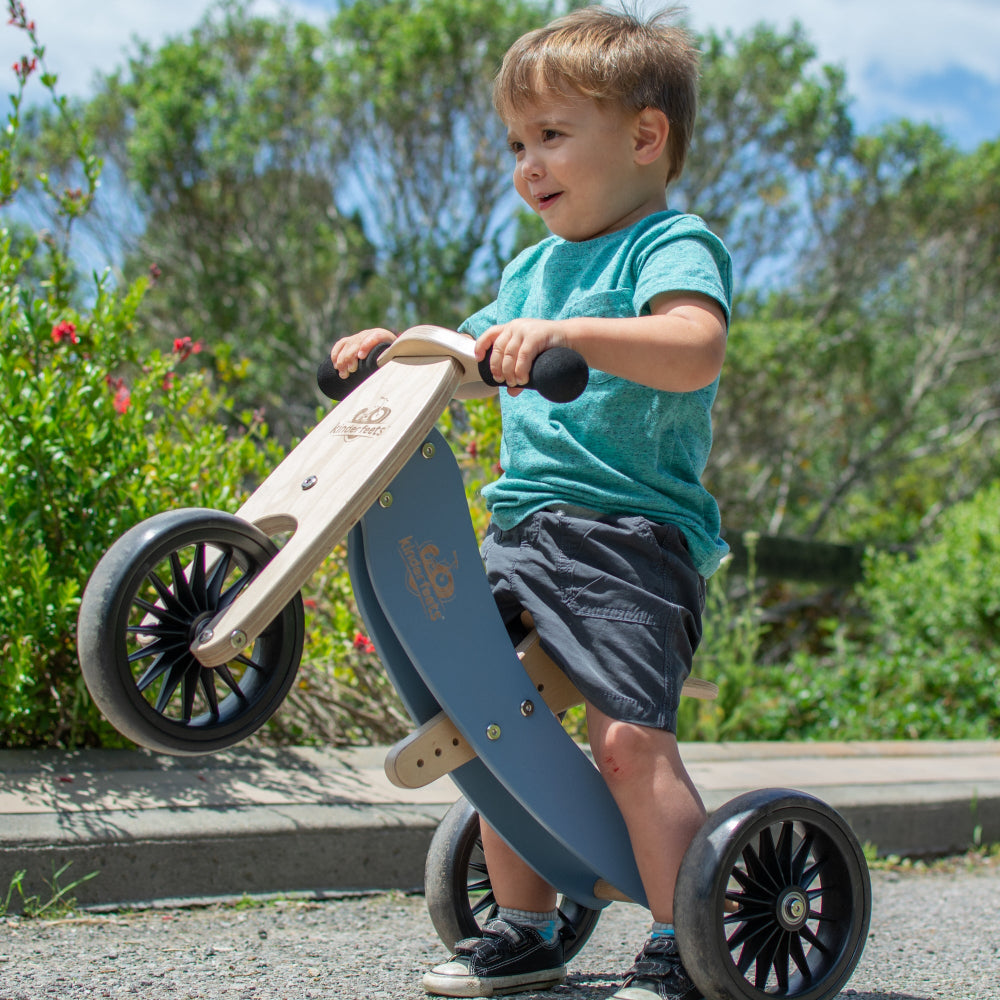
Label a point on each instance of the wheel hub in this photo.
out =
(197, 626)
(793, 909)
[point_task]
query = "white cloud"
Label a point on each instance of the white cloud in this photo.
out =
(83, 37)
(907, 37)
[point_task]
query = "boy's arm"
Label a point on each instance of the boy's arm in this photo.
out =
(679, 347)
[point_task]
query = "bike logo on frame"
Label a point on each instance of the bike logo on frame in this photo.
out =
(368, 422)
(427, 577)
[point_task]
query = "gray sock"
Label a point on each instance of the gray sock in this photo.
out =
(543, 922)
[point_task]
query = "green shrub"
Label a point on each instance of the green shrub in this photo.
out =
(921, 660)
(92, 439)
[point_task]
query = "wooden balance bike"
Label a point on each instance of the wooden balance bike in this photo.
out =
(191, 631)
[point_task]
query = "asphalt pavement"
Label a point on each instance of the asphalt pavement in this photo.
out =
(315, 820)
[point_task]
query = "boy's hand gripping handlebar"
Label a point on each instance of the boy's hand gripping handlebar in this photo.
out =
(559, 374)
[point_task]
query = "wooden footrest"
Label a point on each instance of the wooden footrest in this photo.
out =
(437, 747)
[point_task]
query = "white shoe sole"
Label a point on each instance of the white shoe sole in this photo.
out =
(443, 985)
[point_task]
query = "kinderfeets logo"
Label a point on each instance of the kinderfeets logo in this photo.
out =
(427, 577)
(368, 422)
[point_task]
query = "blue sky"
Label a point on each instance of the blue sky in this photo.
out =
(929, 60)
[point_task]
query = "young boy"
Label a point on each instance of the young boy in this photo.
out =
(601, 529)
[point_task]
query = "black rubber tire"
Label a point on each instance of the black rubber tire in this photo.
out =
(799, 897)
(458, 889)
(155, 692)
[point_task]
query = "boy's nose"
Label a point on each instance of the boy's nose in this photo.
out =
(531, 168)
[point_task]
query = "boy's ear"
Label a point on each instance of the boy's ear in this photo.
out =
(650, 132)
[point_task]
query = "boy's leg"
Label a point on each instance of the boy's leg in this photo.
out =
(662, 811)
(660, 804)
(520, 949)
(515, 885)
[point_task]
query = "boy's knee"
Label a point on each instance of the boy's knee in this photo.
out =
(629, 752)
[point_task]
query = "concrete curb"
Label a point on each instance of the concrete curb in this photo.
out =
(313, 820)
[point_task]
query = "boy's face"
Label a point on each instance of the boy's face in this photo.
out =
(576, 165)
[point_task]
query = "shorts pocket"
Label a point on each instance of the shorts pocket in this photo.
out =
(614, 571)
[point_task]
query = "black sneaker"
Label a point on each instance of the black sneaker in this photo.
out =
(508, 958)
(658, 974)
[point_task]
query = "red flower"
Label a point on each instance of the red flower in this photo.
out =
(362, 642)
(122, 398)
(25, 68)
(65, 330)
(184, 347)
(168, 381)
(19, 16)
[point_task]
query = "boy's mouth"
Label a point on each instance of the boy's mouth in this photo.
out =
(547, 200)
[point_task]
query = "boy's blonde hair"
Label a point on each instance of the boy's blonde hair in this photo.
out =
(614, 57)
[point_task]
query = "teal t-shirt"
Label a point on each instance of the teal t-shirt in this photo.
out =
(621, 447)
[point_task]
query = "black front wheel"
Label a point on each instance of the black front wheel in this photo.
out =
(459, 892)
(773, 899)
(146, 602)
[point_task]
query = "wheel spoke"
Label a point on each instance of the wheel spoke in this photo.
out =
(230, 681)
(211, 695)
(170, 600)
(156, 669)
(143, 629)
(232, 592)
(171, 680)
(482, 885)
(813, 940)
(189, 687)
(485, 903)
(765, 961)
(812, 873)
(752, 927)
(801, 857)
(247, 662)
(218, 577)
(174, 619)
(783, 851)
(198, 578)
(798, 956)
(182, 588)
(780, 963)
(767, 859)
(750, 877)
(754, 941)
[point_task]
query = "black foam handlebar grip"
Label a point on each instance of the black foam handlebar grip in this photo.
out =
(334, 387)
(560, 374)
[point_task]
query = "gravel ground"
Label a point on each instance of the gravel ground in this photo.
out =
(934, 935)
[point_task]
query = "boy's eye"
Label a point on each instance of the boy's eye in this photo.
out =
(550, 133)
(515, 147)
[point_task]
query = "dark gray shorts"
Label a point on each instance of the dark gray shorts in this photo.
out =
(616, 600)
